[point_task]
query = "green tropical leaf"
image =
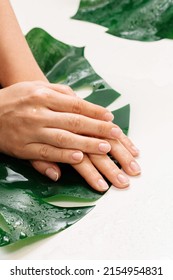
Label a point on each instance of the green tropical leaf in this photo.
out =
(144, 20)
(20, 174)
(66, 64)
(27, 215)
(121, 118)
(24, 193)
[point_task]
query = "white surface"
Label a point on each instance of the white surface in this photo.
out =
(134, 223)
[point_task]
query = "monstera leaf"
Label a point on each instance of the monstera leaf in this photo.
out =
(24, 193)
(27, 215)
(144, 20)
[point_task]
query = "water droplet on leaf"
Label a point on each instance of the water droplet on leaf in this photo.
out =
(22, 235)
(6, 239)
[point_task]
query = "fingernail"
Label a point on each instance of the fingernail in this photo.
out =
(135, 167)
(103, 185)
(78, 156)
(108, 116)
(135, 149)
(52, 174)
(123, 179)
(116, 132)
(104, 147)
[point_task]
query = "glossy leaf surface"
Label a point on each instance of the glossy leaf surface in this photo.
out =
(22, 189)
(66, 64)
(145, 20)
(27, 215)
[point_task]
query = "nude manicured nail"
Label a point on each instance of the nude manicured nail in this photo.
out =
(77, 156)
(52, 174)
(116, 132)
(108, 116)
(104, 147)
(123, 179)
(103, 185)
(135, 167)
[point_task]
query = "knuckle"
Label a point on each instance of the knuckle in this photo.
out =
(75, 124)
(61, 139)
(64, 156)
(44, 152)
(61, 156)
(96, 111)
(67, 88)
(40, 93)
(77, 106)
(101, 129)
(34, 96)
(89, 145)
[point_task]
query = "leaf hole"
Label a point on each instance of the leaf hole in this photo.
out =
(83, 92)
(101, 86)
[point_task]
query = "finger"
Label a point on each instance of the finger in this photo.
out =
(49, 153)
(82, 125)
(125, 158)
(48, 169)
(128, 144)
(65, 139)
(87, 170)
(73, 104)
(110, 170)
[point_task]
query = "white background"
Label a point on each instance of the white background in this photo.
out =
(134, 223)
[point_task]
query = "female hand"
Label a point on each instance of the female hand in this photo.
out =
(124, 152)
(34, 124)
(93, 166)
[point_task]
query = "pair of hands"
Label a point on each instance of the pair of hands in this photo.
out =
(47, 123)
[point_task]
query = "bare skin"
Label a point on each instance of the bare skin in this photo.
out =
(47, 123)
(33, 115)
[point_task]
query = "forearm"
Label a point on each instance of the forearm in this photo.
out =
(16, 60)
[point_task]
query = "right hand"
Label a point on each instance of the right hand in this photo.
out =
(94, 168)
(38, 122)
